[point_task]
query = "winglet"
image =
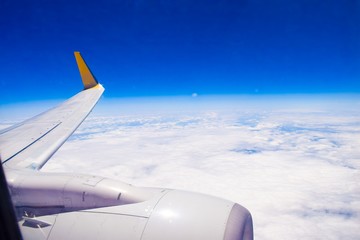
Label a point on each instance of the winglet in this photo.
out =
(87, 77)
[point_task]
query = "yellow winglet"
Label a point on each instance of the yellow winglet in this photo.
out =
(87, 77)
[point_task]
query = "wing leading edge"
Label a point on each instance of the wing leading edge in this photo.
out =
(30, 144)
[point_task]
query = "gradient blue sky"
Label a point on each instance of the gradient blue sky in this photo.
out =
(166, 48)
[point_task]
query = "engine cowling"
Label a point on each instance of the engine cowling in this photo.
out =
(171, 214)
(186, 215)
(68, 206)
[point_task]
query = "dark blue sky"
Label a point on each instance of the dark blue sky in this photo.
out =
(162, 47)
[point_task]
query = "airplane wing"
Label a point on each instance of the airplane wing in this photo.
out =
(30, 144)
(78, 206)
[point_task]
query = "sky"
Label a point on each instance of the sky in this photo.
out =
(177, 48)
(253, 101)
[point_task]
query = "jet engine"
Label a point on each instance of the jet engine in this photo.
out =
(66, 206)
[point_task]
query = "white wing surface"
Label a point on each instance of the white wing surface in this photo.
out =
(31, 143)
(77, 206)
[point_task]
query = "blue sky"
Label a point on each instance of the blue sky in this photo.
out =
(167, 48)
(297, 62)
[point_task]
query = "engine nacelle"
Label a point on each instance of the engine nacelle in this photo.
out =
(171, 214)
(186, 215)
(73, 206)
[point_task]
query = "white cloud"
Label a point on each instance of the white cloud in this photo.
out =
(295, 168)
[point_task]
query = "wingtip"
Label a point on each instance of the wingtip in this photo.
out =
(87, 77)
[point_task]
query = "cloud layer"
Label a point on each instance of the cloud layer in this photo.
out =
(296, 168)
